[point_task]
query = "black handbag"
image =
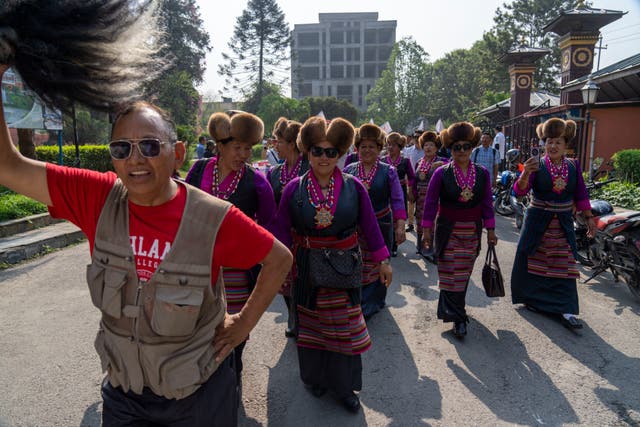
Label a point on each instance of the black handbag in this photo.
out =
(335, 268)
(491, 274)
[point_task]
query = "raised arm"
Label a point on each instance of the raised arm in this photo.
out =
(20, 174)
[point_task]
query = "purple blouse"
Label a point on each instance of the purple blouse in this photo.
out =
(432, 202)
(367, 222)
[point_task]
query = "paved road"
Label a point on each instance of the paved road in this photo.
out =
(514, 367)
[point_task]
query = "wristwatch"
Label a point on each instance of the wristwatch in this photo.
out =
(386, 261)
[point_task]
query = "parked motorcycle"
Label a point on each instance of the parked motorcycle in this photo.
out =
(519, 206)
(502, 193)
(615, 246)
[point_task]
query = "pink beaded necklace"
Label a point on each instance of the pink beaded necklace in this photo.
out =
(392, 162)
(367, 178)
(559, 174)
(465, 183)
(285, 177)
(233, 185)
(425, 167)
(322, 205)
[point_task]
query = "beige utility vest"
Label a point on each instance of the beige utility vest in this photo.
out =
(158, 334)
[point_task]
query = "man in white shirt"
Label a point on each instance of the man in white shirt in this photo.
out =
(414, 153)
(499, 142)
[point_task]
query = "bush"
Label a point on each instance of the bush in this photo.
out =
(623, 194)
(14, 206)
(627, 164)
(256, 152)
(94, 157)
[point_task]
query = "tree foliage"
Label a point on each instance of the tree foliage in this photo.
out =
(333, 107)
(180, 97)
(258, 48)
(400, 95)
(254, 97)
(93, 128)
(274, 106)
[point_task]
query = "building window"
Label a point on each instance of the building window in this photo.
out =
(308, 39)
(304, 90)
(345, 92)
(308, 56)
(353, 71)
(369, 53)
(381, 67)
(329, 90)
(385, 35)
(359, 90)
(384, 53)
(337, 71)
(310, 73)
(337, 54)
(370, 36)
(353, 54)
(370, 70)
(353, 36)
(337, 37)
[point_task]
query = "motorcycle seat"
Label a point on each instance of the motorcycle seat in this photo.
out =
(601, 207)
(606, 220)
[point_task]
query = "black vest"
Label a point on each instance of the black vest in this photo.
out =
(245, 197)
(344, 221)
(274, 178)
(379, 191)
(450, 191)
(543, 186)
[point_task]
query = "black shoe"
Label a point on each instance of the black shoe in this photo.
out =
(394, 254)
(460, 329)
(316, 390)
(570, 323)
(410, 227)
(290, 333)
(531, 308)
(351, 403)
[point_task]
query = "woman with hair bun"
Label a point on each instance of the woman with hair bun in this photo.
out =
(323, 209)
(395, 143)
(459, 193)
(295, 164)
(230, 178)
(429, 142)
(542, 282)
(381, 181)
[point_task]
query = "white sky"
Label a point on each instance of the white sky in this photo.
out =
(438, 26)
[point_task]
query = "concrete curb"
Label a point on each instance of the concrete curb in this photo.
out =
(23, 246)
(21, 225)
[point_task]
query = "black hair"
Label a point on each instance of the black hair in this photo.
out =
(94, 52)
(170, 126)
(498, 128)
(486, 132)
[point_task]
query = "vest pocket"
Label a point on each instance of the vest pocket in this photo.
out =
(105, 287)
(176, 310)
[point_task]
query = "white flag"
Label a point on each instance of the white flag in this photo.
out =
(321, 115)
(439, 126)
(372, 122)
(386, 127)
(420, 127)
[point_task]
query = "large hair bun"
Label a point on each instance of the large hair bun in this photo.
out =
(461, 131)
(396, 138)
(286, 129)
(370, 132)
(242, 126)
(429, 136)
(555, 128)
(339, 133)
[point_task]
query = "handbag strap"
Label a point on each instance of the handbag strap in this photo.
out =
(494, 255)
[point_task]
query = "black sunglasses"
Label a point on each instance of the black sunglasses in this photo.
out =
(148, 147)
(461, 147)
(330, 152)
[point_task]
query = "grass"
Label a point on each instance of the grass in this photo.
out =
(13, 206)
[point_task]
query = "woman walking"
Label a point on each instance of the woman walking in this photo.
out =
(385, 192)
(460, 194)
(228, 177)
(395, 144)
(429, 142)
(544, 271)
(295, 164)
(323, 209)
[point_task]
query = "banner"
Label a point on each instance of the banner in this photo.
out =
(23, 109)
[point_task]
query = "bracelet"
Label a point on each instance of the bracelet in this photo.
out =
(386, 261)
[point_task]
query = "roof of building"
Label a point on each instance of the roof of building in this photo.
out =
(535, 100)
(582, 19)
(618, 82)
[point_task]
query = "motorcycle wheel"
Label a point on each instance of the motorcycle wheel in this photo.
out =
(519, 221)
(502, 205)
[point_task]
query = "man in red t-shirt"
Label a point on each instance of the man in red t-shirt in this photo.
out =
(145, 155)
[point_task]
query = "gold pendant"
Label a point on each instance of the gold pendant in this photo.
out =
(366, 185)
(559, 184)
(466, 194)
(422, 176)
(323, 217)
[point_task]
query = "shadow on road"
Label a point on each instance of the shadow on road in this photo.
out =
(92, 416)
(500, 373)
(604, 360)
(392, 383)
(618, 292)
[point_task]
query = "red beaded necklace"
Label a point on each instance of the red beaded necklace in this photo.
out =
(425, 167)
(465, 183)
(215, 186)
(322, 205)
(559, 174)
(392, 162)
(285, 177)
(367, 178)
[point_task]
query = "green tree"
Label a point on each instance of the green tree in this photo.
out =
(333, 107)
(179, 97)
(254, 97)
(92, 128)
(258, 48)
(400, 95)
(275, 106)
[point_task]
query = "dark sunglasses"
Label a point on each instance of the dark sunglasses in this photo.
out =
(148, 147)
(461, 147)
(330, 152)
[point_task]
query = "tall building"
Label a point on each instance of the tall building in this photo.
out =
(342, 56)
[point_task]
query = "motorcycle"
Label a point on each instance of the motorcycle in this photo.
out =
(615, 246)
(502, 193)
(519, 206)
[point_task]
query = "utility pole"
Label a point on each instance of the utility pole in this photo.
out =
(600, 49)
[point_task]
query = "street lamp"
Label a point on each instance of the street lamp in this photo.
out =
(589, 96)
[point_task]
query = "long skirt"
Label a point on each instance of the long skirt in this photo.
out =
(331, 339)
(373, 298)
(236, 287)
(455, 265)
(546, 280)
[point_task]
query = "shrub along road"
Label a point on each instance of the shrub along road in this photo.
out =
(514, 367)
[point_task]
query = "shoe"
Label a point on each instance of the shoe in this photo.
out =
(531, 308)
(460, 329)
(290, 333)
(351, 403)
(570, 323)
(410, 227)
(394, 254)
(316, 390)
